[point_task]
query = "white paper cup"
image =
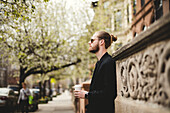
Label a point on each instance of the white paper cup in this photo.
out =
(77, 87)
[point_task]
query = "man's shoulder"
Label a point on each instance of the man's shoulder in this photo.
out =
(108, 61)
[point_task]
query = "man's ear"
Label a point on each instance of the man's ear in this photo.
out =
(102, 42)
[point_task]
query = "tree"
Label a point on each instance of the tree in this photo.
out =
(44, 40)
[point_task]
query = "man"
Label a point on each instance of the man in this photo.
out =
(103, 85)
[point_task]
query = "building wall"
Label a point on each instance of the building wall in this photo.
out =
(147, 14)
(143, 64)
(9, 72)
(142, 68)
(121, 11)
(3, 71)
(3, 77)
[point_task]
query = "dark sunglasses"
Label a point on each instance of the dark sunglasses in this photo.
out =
(92, 40)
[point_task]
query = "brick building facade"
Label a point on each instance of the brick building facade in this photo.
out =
(145, 12)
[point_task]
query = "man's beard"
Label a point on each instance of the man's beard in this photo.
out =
(95, 50)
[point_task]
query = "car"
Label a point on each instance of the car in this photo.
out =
(8, 100)
(15, 88)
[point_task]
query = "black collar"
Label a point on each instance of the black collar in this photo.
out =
(103, 57)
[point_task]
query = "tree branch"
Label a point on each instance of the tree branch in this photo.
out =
(54, 68)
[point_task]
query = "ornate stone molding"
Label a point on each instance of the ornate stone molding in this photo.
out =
(145, 75)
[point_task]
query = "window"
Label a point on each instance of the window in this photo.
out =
(144, 28)
(128, 13)
(118, 20)
(152, 20)
(142, 3)
(95, 3)
(135, 34)
(134, 7)
(158, 9)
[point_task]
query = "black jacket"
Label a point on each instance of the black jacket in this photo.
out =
(103, 86)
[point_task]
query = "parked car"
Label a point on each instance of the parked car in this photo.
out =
(33, 100)
(15, 88)
(8, 100)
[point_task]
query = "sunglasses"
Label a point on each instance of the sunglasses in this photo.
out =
(92, 40)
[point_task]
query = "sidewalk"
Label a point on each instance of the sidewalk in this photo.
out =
(59, 104)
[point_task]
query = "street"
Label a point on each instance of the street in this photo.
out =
(59, 104)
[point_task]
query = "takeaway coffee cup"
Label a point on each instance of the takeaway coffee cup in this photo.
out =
(77, 87)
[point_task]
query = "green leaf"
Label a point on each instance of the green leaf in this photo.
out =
(33, 6)
(46, 0)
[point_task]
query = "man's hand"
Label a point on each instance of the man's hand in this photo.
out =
(80, 94)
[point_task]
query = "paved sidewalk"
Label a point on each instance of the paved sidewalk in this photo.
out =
(59, 104)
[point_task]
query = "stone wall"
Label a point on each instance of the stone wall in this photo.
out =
(143, 71)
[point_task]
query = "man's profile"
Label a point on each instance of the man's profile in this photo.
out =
(103, 84)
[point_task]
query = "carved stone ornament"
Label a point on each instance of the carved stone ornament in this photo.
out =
(146, 75)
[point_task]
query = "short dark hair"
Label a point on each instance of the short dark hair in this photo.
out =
(24, 83)
(107, 38)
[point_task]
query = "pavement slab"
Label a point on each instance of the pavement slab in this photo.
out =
(60, 104)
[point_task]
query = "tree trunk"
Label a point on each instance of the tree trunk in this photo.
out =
(44, 89)
(21, 77)
(40, 90)
(49, 84)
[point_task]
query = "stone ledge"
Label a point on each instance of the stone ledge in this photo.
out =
(124, 105)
